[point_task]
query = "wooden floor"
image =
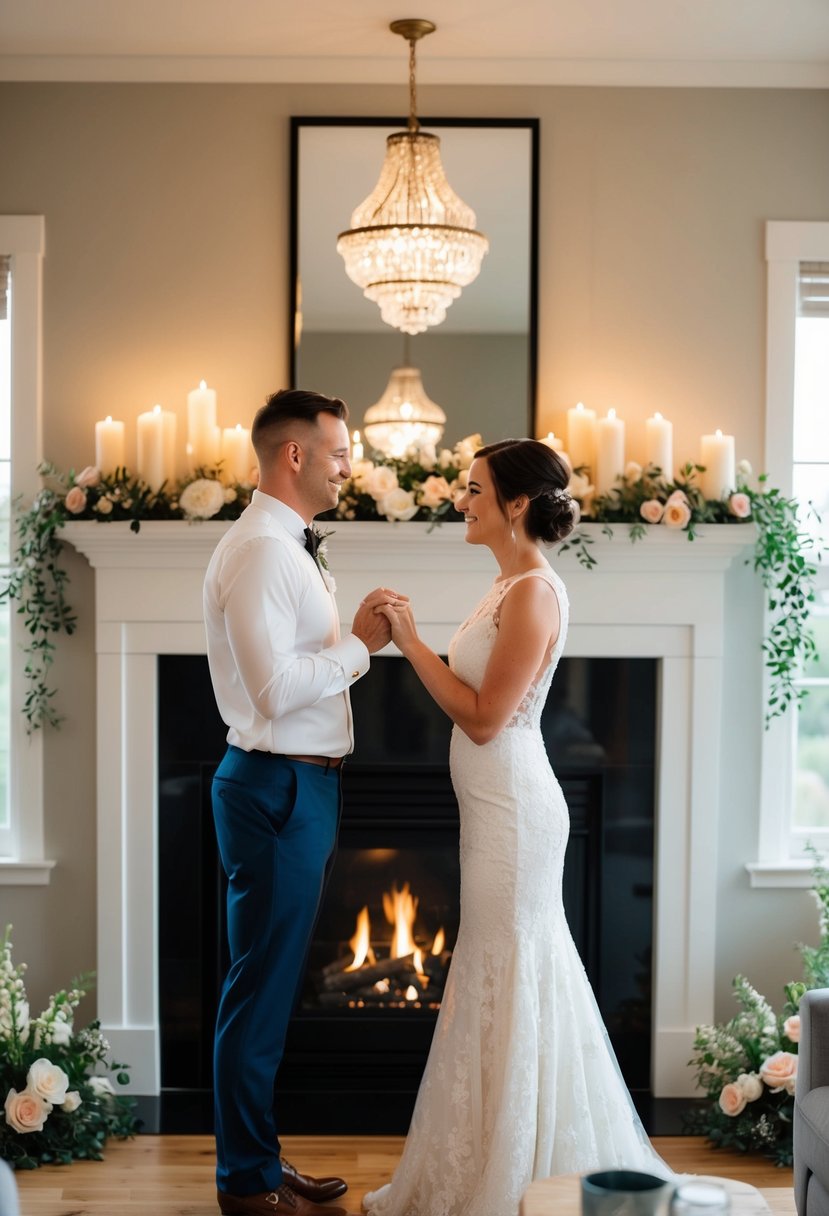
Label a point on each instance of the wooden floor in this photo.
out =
(173, 1175)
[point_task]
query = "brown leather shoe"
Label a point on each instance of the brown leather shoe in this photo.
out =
(282, 1202)
(317, 1189)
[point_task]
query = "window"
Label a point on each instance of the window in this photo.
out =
(21, 836)
(795, 755)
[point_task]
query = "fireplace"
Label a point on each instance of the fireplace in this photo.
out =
(663, 600)
(359, 1039)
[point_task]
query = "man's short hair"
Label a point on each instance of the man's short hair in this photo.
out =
(272, 423)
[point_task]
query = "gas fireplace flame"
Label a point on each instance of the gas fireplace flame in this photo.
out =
(439, 942)
(361, 943)
(400, 908)
(412, 993)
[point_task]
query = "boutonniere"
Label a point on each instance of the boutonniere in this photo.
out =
(321, 546)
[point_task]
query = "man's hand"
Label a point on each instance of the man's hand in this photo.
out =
(370, 625)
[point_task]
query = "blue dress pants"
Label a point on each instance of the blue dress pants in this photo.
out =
(276, 824)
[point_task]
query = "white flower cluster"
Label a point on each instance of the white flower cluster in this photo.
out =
(382, 482)
(202, 498)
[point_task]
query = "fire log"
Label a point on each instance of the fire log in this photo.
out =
(364, 977)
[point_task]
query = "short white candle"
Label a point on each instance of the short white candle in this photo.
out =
(356, 447)
(610, 452)
(109, 445)
(717, 455)
(552, 441)
(156, 446)
(203, 436)
(659, 444)
(236, 453)
(581, 437)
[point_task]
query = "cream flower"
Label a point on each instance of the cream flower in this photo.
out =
(447, 459)
(103, 506)
(202, 499)
(75, 500)
(652, 510)
(466, 449)
(428, 456)
(732, 1100)
(779, 1071)
(380, 482)
(633, 471)
(740, 505)
(398, 504)
(26, 1112)
(744, 467)
(791, 1028)
(434, 491)
(101, 1087)
(751, 1085)
(72, 1101)
(45, 1080)
(89, 477)
(360, 470)
(677, 514)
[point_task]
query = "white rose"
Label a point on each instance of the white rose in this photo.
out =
(61, 1032)
(434, 491)
(446, 460)
(677, 496)
(47, 1081)
(428, 456)
(791, 1028)
(398, 504)
(101, 1087)
(745, 468)
(466, 450)
(71, 1102)
(90, 476)
(751, 1085)
(26, 1112)
(381, 481)
(360, 470)
(579, 486)
(103, 506)
(230, 494)
(633, 471)
(202, 499)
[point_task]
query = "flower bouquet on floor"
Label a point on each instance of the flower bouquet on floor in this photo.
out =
(748, 1066)
(59, 1103)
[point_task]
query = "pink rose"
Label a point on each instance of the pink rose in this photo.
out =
(780, 1071)
(75, 500)
(89, 477)
(652, 510)
(791, 1028)
(678, 496)
(740, 505)
(732, 1100)
(434, 491)
(26, 1112)
(677, 514)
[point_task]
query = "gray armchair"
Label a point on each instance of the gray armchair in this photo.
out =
(811, 1107)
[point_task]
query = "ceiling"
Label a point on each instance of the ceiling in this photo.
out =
(742, 43)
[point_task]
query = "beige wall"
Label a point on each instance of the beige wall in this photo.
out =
(166, 228)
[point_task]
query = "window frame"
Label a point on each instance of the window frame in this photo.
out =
(788, 243)
(22, 237)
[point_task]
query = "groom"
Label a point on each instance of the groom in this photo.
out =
(281, 674)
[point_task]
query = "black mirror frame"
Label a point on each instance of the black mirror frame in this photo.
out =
(531, 124)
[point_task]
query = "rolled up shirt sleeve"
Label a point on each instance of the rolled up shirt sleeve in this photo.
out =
(262, 598)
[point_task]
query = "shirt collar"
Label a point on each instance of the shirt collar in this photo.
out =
(281, 512)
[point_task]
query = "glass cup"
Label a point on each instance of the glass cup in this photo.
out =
(700, 1199)
(625, 1193)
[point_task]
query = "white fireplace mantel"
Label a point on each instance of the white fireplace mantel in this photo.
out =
(661, 598)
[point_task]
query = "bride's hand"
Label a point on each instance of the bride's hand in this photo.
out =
(401, 619)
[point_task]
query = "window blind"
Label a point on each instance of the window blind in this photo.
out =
(813, 289)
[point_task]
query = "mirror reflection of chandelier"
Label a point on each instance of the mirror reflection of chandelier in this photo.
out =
(404, 417)
(412, 245)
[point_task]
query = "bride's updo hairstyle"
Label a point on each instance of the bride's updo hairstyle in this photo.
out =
(526, 466)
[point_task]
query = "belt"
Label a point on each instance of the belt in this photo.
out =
(325, 762)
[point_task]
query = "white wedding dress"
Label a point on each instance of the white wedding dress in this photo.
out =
(521, 1081)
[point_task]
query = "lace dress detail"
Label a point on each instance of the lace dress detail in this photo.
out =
(521, 1080)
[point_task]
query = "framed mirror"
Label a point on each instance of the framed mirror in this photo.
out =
(479, 365)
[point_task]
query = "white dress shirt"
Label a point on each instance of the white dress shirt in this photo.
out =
(280, 670)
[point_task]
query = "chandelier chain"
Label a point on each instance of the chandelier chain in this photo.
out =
(414, 125)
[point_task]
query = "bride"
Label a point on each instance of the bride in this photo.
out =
(521, 1081)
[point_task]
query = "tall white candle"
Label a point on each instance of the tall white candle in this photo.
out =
(109, 445)
(203, 436)
(581, 437)
(717, 455)
(236, 453)
(610, 451)
(659, 444)
(156, 431)
(356, 447)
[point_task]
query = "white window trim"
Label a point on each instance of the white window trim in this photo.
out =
(22, 238)
(787, 245)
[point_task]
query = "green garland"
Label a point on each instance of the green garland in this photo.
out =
(424, 490)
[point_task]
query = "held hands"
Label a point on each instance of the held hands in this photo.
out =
(371, 625)
(402, 622)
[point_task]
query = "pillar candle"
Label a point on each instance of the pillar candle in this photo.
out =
(156, 446)
(581, 436)
(659, 444)
(356, 447)
(236, 454)
(717, 455)
(610, 452)
(109, 445)
(552, 441)
(203, 436)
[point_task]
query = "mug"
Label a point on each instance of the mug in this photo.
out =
(625, 1193)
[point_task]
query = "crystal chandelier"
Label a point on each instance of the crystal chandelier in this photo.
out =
(404, 417)
(412, 245)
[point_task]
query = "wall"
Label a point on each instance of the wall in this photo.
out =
(166, 227)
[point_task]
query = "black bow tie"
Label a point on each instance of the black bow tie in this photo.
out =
(312, 542)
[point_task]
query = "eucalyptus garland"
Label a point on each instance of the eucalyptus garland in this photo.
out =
(785, 553)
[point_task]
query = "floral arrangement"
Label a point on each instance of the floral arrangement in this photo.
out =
(423, 485)
(748, 1066)
(59, 1103)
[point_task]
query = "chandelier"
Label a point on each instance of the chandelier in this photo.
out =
(412, 245)
(404, 417)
